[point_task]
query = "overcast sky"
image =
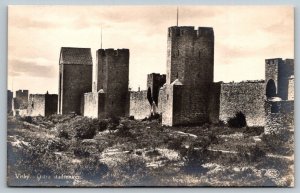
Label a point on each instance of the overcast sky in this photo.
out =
(244, 37)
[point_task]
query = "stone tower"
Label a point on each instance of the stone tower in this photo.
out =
(21, 101)
(75, 79)
(190, 66)
(278, 76)
(9, 101)
(190, 55)
(154, 82)
(112, 76)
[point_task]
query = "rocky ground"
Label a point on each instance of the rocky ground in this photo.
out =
(78, 151)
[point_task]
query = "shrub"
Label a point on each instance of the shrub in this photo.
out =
(85, 132)
(175, 144)
(92, 169)
(254, 131)
(114, 120)
(280, 142)
(133, 167)
(27, 119)
(194, 159)
(155, 116)
(238, 121)
(123, 131)
(256, 153)
(102, 125)
(63, 134)
(57, 145)
(81, 153)
(153, 153)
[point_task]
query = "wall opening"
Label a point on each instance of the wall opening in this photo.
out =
(271, 89)
(149, 96)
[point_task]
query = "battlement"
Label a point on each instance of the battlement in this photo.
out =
(156, 75)
(242, 82)
(176, 31)
(273, 60)
(113, 52)
(22, 91)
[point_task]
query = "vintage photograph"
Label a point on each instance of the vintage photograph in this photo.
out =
(150, 96)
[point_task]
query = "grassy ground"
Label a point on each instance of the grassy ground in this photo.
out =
(74, 150)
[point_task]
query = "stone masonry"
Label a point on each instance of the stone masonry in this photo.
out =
(75, 79)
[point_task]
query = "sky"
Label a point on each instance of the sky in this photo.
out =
(244, 37)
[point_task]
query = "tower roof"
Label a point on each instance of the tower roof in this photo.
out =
(70, 55)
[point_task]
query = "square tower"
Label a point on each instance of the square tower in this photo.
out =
(278, 73)
(21, 101)
(190, 68)
(112, 78)
(190, 55)
(75, 79)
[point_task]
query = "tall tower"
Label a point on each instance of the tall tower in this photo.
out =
(190, 69)
(190, 55)
(75, 79)
(112, 76)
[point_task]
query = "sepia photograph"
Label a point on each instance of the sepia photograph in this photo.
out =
(150, 96)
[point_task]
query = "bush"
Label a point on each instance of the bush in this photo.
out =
(85, 132)
(153, 153)
(92, 169)
(114, 120)
(254, 131)
(175, 144)
(238, 121)
(102, 125)
(155, 116)
(57, 145)
(81, 153)
(194, 159)
(280, 143)
(27, 119)
(256, 153)
(63, 134)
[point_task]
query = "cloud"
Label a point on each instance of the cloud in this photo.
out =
(244, 36)
(25, 22)
(23, 67)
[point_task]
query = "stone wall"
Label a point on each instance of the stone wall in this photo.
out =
(162, 99)
(279, 115)
(190, 105)
(139, 104)
(291, 89)
(214, 102)
(245, 97)
(42, 104)
(51, 101)
(91, 104)
(36, 105)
